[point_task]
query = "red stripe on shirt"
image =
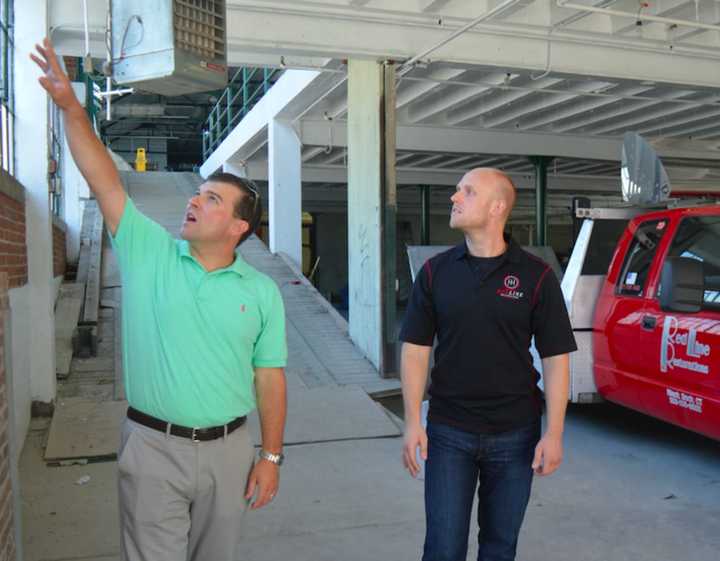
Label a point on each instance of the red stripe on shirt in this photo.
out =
(537, 288)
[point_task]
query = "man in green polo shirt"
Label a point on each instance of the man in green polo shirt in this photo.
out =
(203, 345)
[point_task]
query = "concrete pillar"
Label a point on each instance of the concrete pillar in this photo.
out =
(284, 190)
(74, 187)
(235, 168)
(75, 191)
(372, 206)
(31, 157)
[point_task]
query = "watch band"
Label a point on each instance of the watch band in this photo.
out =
(276, 459)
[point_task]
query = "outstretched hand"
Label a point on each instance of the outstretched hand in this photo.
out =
(54, 81)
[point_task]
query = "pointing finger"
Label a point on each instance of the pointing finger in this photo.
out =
(41, 63)
(42, 51)
(49, 53)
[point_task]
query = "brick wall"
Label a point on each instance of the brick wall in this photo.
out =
(13, 251)
(13, 247)
(7, 533)
(59, 250)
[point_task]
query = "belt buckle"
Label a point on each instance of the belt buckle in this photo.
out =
(194, 437)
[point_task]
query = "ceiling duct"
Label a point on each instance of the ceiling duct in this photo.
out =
(169, 47)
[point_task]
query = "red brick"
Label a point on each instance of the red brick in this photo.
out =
(10, 247)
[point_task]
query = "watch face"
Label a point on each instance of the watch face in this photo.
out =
(270, 457)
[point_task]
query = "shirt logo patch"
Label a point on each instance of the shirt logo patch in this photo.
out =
(511, 282)
(242, 308)
(511, 288)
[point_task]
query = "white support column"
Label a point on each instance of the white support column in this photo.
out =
(74, 195)
(31, 156)
(284, 190)
(75, 191)
(235, 168)
(365, 207)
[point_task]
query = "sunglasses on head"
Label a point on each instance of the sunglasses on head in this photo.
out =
(255, 194)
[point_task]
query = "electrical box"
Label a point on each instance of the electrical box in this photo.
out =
(169, 47)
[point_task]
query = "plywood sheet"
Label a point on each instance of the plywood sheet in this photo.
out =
(67, 313)
(110, 272)
(84, 429)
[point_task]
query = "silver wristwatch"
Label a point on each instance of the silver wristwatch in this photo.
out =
(276, 459)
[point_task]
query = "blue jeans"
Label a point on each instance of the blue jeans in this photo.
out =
(457, 461)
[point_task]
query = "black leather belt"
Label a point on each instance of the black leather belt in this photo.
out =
(194, 434)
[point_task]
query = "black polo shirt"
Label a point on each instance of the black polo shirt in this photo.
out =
(484, 318)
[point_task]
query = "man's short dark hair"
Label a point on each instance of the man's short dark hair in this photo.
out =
(249, 206)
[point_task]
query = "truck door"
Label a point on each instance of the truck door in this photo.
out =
(622, 368)
(685, 385)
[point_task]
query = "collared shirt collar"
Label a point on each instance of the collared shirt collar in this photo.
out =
(513, 252)
(238, 266)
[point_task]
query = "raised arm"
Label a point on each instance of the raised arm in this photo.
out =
(90, 155)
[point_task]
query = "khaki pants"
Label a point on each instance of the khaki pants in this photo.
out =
(181, 500)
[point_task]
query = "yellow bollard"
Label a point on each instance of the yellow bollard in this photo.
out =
(140, 160)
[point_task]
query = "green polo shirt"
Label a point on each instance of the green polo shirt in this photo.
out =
(191, 339)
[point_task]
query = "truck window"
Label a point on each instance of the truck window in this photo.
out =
(640, 257)
(698, 237)
(603, 240)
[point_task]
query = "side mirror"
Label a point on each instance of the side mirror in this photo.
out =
(682, 285)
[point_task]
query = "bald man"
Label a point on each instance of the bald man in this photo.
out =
(484, 300)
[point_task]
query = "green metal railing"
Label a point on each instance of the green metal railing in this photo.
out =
(244, 90)
(92, 105)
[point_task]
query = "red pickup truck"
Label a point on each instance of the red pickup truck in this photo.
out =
(643, 290)
(654, 337)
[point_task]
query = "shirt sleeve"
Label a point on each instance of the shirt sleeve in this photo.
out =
(138, 240)
(550, 320)
(270, 350)
(419, 325)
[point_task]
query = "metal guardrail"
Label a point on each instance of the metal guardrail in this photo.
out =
(245, 89)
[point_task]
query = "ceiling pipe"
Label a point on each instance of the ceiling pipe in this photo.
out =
(87, 59)
(408, 65)
(638, 16)
(380, 16)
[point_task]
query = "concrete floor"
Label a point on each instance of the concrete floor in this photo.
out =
(631, 488)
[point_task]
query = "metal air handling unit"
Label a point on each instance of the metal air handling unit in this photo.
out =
(169, 47)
